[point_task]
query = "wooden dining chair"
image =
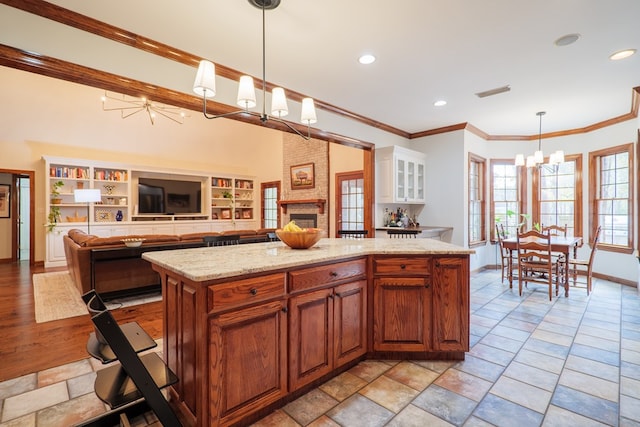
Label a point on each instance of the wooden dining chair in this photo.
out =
(507, 258)
(584, 267)
(535, 261)
(555, 230)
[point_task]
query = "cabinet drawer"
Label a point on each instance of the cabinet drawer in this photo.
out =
(402, 266)
(245, 291)
(326, 274)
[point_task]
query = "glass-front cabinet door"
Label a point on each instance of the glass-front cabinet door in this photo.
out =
(411, 180)
(420, 181)
(401, 183)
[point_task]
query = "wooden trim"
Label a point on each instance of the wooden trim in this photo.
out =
(318, 202)
(263, 186)
(102, 29)
(482, 163)
(594, 171)
(76, 20)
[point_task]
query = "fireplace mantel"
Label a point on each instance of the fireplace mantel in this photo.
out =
(318, 202)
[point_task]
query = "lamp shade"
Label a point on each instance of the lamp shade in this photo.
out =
(246, 92)
(519, 159)
(205, 82)
(308, 115)
(86, 195)
(279, 106)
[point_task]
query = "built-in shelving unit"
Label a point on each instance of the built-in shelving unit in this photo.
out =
(226, 202)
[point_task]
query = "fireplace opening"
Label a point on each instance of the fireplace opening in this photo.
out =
(305, 220)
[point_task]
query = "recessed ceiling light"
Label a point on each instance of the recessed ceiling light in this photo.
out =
(440, 103)
(567, 40)
(367, 59)
(622, 54)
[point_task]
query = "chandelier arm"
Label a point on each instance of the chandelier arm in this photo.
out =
(166, 115)
(284, 122)
(217, 116)
(124, 116)
(138, 107)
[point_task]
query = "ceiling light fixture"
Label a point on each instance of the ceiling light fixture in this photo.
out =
(129, 105)
(537, 159)
(492, 92)
(367, 59)
(622, 54)
(205, 86)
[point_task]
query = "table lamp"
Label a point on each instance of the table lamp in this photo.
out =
(87, 196)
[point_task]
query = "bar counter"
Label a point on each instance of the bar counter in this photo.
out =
(248, 328)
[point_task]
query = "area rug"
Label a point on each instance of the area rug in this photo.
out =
(56, 298)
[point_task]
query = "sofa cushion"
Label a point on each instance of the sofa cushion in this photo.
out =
(239, 232)
(196, 237)
(80, 237)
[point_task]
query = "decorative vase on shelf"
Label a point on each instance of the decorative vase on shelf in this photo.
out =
(119, 215)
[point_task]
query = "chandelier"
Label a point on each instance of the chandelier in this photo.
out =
(537, 159)
(205, 86)
(129, 105)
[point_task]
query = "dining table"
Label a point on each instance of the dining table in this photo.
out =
(566, 245)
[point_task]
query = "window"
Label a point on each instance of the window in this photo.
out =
(557, 199)
(611, 190)
(477, 233)
(508, 195)
(270, 212)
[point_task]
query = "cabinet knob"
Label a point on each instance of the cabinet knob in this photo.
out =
(331, 296)
(402, 266)
(333, 274)
(253, 291)
(427, 285)
(338, 294)
(285, 310)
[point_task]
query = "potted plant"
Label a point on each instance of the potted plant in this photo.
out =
(55, 192)
(54, 211)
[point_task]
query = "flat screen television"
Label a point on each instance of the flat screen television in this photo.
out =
(169, 197)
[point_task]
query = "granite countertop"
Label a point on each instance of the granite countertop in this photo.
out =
(209, 263)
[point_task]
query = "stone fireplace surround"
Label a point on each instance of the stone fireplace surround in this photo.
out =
(309, 201)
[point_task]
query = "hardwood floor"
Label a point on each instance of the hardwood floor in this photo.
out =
(27, 346)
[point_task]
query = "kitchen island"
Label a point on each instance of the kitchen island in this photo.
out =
(249, 328)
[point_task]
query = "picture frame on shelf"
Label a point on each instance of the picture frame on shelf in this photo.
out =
(104, 215)
(303, 176)
(214, 215)
(237, 214)
(225, 213)
(246, 214)
(5, 201)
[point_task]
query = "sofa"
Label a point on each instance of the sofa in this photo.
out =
(123, 271)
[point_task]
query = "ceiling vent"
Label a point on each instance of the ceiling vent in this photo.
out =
(492, 92)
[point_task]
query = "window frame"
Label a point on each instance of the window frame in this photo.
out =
(482, 192)
(578, 214)
(521, 175)
(594, 171)
(263, 187)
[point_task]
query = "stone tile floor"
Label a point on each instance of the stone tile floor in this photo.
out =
(569, 362)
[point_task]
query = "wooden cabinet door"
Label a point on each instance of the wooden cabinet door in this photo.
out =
(350, 317)
(247, 361)
(451, 304)
(310, 336)
(402, 314)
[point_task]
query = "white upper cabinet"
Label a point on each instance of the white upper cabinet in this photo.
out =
(400, 175)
